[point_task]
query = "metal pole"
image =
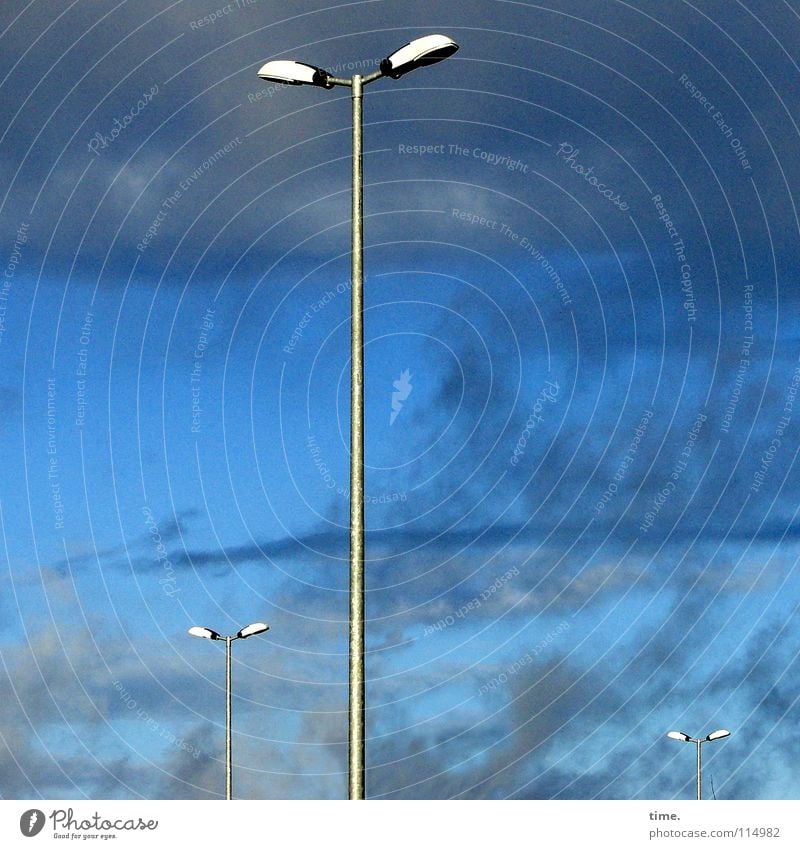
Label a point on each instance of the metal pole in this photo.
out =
(699, 770)
(356, 682)
(228, 765)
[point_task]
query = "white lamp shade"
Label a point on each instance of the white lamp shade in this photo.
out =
(422, 51)
(255, 628)
(292, 73)
(679, 735)
(206, 633)
(718, 735)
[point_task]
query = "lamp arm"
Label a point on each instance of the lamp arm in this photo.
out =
(375, 75)
(369, 78)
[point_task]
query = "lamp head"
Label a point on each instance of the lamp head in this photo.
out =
(255, 628)
(679, 735)
(206, 633)
(718, 735)
(416, 54)
(289, 72)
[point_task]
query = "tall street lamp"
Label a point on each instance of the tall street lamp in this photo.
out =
(714, 735)
(208, 634)
(416, 54)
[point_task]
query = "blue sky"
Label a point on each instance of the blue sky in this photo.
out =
(581, 242)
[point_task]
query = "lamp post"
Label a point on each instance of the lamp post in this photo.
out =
(714, 735)
(208, 634)
(416, 54)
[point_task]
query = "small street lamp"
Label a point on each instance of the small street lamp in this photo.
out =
(714, 735)
(208, 634)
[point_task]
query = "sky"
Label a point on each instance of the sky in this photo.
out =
(582, 399)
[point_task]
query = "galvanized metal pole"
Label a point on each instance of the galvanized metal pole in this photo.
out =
(228, 764)
(356, 673)
(699, 770)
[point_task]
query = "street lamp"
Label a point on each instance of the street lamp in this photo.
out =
(714, 735)
(208, 634)
(416, 54)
